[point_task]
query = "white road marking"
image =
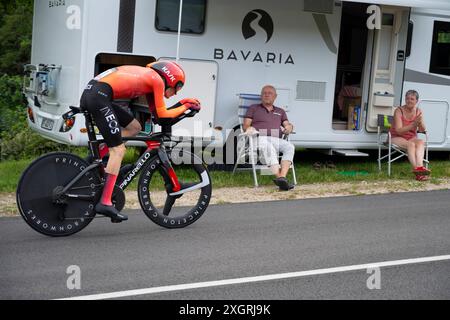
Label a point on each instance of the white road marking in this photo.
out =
(190, 286)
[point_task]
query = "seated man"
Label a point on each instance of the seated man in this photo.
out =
(271, 122)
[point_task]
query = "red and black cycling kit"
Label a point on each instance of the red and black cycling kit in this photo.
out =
(127, 82)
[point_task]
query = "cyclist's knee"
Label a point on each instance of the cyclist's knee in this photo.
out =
(118, 151)
(135, 127)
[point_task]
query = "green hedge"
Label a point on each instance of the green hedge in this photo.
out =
(17, 140)
(26, 144)
(12, 104)
(16, 22)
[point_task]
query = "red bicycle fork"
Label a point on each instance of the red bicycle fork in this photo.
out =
(153, 145)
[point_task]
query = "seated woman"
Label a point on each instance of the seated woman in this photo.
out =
(408, 120)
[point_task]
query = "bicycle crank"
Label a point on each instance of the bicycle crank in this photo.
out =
(118, 198)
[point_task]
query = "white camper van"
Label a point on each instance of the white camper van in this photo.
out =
(336, 64)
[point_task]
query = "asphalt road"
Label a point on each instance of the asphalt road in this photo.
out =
(244, 240)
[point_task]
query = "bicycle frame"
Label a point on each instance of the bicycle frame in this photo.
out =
(155, 148)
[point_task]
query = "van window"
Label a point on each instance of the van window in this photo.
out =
(193, 19)
(440, 51)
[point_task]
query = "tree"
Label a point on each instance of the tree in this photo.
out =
(16, 24)
(16, 20)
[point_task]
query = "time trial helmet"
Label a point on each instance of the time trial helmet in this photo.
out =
(171, 72)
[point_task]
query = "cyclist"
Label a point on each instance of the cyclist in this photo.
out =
(156, 81)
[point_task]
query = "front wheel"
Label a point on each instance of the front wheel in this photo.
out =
(185, 208)
(38, 200)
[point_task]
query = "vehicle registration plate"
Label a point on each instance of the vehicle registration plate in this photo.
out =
(47, 124)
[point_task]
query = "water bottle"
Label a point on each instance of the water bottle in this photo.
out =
(148, 126)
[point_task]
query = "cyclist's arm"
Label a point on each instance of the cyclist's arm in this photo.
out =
(161, 110)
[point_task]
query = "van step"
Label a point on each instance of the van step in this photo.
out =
(349, 153)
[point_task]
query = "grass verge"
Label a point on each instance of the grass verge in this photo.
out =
(341, 170)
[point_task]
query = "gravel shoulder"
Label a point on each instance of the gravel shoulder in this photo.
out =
(8, 207)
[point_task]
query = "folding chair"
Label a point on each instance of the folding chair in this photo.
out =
(247, 144)
(394, 152)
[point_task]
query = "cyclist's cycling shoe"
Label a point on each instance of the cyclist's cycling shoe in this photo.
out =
(283, 184)
(110, 211)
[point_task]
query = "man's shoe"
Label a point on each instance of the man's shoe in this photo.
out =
(110, 211)
(282, 183)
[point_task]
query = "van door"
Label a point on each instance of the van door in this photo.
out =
(435, 113)
(383, 84)
(201, 83)
(427, 72)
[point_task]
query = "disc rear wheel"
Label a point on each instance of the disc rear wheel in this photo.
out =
(40, 199)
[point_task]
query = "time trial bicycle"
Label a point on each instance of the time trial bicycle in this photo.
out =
(57, 193)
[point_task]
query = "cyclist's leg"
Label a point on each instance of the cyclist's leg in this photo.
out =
(129, 125)
(97, 100)
(117, 150)
(105, 206)
(132, 129)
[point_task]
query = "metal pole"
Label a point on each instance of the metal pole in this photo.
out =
(179, 30)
